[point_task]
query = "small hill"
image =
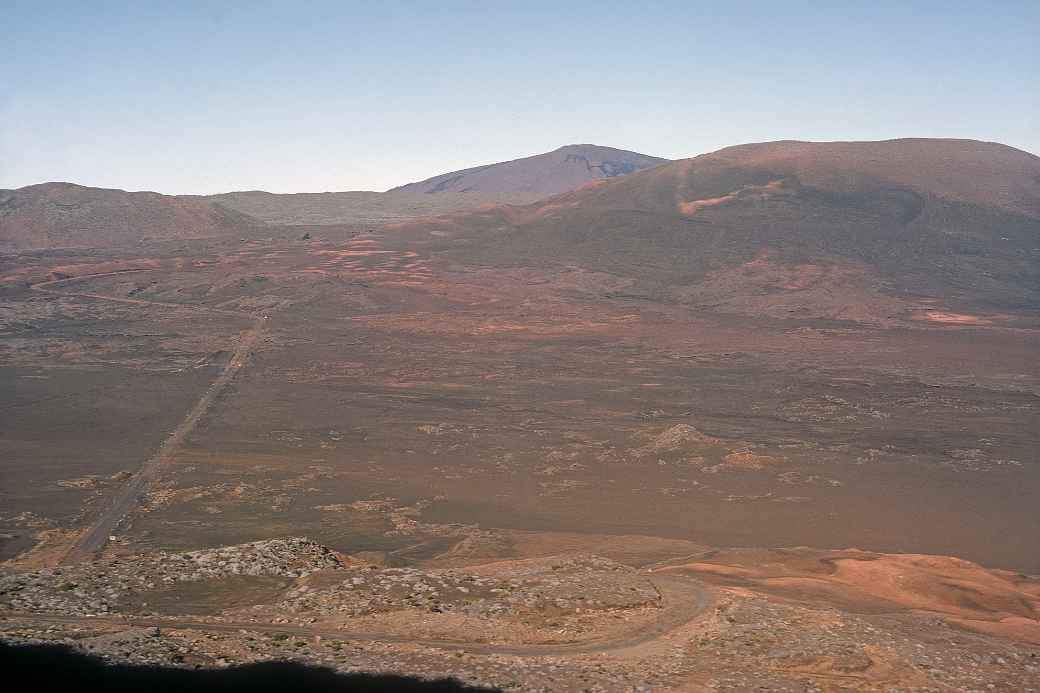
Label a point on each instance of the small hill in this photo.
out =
(60, 215)
(554, 172)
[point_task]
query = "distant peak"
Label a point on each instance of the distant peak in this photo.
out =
(565, 168)
(584, 148)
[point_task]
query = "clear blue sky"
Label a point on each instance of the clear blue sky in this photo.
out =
(187, 97)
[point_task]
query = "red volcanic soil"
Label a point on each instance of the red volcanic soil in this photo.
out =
(992, 601)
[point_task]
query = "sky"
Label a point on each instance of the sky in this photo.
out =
(194, 97)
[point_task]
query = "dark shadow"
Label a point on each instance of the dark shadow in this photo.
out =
(46, 668)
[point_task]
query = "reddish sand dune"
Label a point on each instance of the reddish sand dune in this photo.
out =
(992, 601)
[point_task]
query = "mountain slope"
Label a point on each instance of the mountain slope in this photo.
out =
(554, 172)
(985, 173)
(58, 215)
(859, 230)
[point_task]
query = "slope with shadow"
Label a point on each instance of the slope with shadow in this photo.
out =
(857, 230)
(546, 174)
(62, 215)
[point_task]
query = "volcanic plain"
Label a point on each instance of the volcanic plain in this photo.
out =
(649, 376)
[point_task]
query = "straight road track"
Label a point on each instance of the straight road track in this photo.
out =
(93, 539)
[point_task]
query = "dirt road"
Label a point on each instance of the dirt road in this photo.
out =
(44, 287)
(93, 539)
(683, 600)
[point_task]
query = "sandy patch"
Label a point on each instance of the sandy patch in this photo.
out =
(947, 318)
(745, 458)
(991, 601)
(691, 207)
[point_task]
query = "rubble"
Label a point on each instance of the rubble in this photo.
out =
(572, 622)
(563, 586)
(96, 588)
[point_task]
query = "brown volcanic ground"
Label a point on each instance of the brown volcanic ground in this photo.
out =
(59, 215)
(730, 351)
(554, 172)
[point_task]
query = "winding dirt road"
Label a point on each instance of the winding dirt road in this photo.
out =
(93, 539)
(683, 600)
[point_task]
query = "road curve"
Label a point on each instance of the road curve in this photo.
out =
(93, 539)
(683, 600)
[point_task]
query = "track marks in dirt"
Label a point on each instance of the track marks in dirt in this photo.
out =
(366, 259)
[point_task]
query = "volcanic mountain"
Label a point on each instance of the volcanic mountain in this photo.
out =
(58, 215)
(510, 182)
(843, 230)
(546, 174)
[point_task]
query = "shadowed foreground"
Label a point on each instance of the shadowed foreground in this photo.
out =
(59, 668)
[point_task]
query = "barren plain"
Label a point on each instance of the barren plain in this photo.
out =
(595, 463)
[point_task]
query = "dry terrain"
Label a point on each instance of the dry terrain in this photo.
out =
(565, 445)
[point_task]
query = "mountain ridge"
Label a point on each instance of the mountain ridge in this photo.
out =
(61, 214)
(838, 231)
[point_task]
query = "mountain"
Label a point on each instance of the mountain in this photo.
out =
(55, 215)
(841, 230)
(58, 215)
(546, 174)
(511, 182)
